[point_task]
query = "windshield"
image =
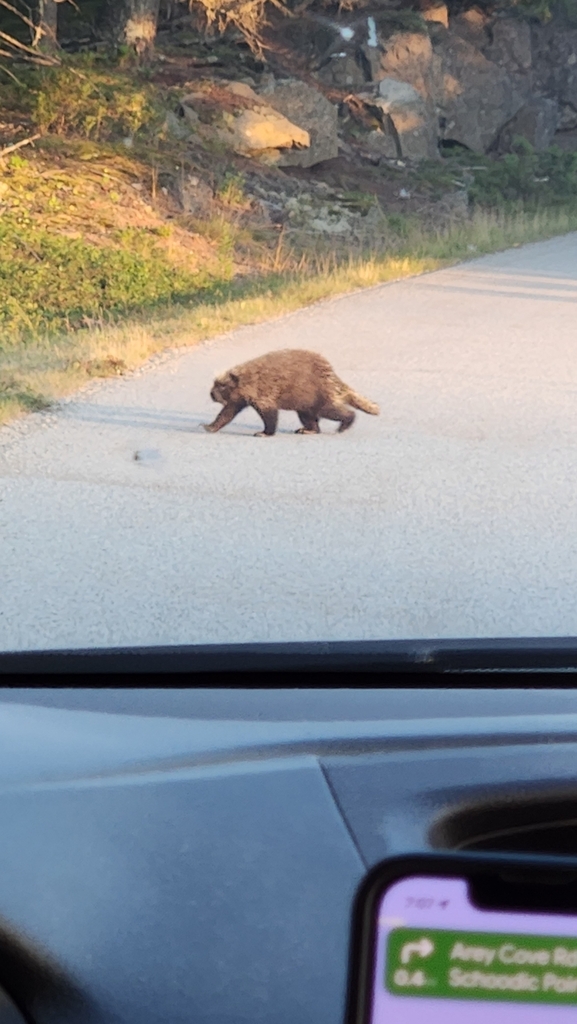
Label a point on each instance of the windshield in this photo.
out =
(287, 321)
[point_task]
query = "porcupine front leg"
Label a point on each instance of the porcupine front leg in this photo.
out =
(225, 416)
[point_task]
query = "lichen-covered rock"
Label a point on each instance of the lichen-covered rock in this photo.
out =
(177, 127)
(330, 225)
(194, 195)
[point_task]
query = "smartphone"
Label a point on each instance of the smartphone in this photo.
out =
(465, 939)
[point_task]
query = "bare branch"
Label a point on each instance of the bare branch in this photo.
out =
(7, 71)
(30, 53)
(18, 145)
(19, 14)
(41, 61)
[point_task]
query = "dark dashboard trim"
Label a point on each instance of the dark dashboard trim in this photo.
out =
(470, 662)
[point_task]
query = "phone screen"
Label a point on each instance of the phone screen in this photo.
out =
(440, 959)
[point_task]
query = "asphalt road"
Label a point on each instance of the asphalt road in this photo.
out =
(453, 514)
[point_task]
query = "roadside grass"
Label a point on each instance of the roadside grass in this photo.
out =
(37, 368)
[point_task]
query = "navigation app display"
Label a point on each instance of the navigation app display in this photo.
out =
(442, 960)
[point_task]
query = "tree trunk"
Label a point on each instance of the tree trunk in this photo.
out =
(133, 23)
(47, 35)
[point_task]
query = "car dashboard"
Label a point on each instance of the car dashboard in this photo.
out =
(191, 856)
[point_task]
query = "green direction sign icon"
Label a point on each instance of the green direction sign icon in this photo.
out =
(481, 965)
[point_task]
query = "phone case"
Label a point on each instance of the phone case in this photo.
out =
(549, 883)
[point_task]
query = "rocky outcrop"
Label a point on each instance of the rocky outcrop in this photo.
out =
(510, 47)
(408, 56)
(536, 122)
(344, 71)
(473, 27)
(405, 118)
(476, 97)
(554, 49)
(435, 11)
(306, 107)
(468, 78)
(462, 95)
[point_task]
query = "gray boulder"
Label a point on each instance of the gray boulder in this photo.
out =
(408, 57)
(306, 107)
(254, 129)
(536, 122)
(555, 62)
(262, 132)
(472, 26)
(435, 11)
(404, 115)
(511, 50)
(511, 45)
(382, 145)
(344, 71)
(567, 118)
(475, 96)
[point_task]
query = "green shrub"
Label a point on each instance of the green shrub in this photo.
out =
(358, 201)
(49, 280)
(527, 179)
(400, 224)
(232, 189)
(91, 99)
